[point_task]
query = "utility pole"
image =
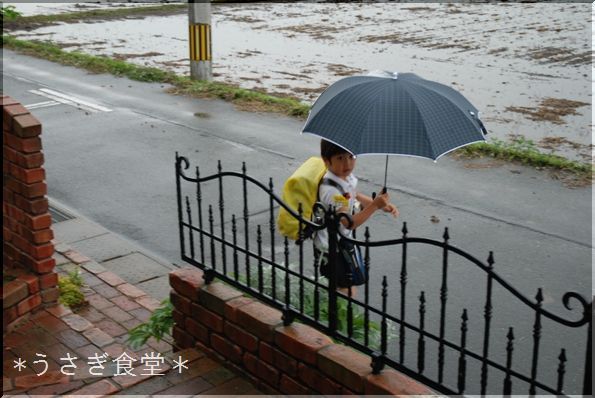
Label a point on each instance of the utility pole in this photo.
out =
(199, 18)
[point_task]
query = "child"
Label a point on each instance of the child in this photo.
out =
(338, 189)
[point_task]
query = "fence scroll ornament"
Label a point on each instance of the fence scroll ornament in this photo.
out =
(313, 299)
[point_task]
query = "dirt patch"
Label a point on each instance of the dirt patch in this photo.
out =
(550, 110)
(421, 41)
(418, 9)
(556, 55)
(344, 70)
(249, 53)
(294, 76)
(317, 32)
(123, 57)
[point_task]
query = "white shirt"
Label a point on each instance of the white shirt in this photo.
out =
(331, 196)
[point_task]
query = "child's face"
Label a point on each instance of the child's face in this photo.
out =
(341, 164)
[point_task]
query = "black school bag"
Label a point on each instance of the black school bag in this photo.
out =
(349, 256)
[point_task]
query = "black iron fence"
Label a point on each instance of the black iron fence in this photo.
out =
(453, 359)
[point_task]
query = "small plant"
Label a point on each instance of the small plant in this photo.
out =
(9, 13)
(159, 324)
(70, 290)
(358, 316)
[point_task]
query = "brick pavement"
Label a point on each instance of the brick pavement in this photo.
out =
(99, 328)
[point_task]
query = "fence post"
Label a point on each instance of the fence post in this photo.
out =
(332, 226)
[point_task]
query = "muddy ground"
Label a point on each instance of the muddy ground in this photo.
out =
(526, 66)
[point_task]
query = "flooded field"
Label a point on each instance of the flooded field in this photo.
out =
(527, 67)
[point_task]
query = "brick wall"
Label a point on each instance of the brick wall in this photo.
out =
(250, 337)
(27, 234)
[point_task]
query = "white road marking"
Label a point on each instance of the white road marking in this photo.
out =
(44, 104)
(70, 100)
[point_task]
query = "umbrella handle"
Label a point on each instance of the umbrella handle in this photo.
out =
(381, 192)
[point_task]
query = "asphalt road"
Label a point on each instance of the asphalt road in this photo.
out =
(111, 158)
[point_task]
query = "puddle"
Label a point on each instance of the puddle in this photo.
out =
(527, 67)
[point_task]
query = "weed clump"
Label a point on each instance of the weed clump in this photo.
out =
(70, 290)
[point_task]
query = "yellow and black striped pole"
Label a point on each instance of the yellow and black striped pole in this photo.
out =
(199, 40)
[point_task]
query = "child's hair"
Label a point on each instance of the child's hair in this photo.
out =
(328, 149)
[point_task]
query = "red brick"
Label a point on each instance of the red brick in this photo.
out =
(30, 381)
(182, 338)
(226, 348)
(180, 302)
(301, 341)
(43, 266)
(148, 302)
(28, 176)
(207, 318)
(16, 213)
(285, 363)
(43, 251)
(179, 317)
(197, 330)
(12, 110)
(38, 237)
(37, 222)
(241, 337)
(250, 362)
(29, 304)
(290, 386)
(215, 295)
(231, 307)
(13, 292)
(56, 389)
(8, 195)
(26, 126)
(59, 310)
(6, 100)
(9, 315)
(51, 324)
(125, 303)
(100, 388)
(187, 282)
(31, 191)
(26, 145)
(98, 337)
(260, 319)
(48, 280)
(77, 322)
(99, 302)
(117, 314)
(126, 380)
(268, 373)
(317, 381)
(130, 290)
(76, 257)
(391, 382)
(32, 206)
(349, 367)
(28, 161)
(50, 295)
(109, 277)
(265, 352)
(32, 282)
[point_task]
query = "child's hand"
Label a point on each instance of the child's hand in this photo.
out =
(381, 201)
(392, 209)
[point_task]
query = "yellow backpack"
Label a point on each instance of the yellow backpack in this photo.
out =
(301, 187)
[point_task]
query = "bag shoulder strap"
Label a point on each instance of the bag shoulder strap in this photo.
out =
(333, 183)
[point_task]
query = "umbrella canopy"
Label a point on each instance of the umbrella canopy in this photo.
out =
(400, 114)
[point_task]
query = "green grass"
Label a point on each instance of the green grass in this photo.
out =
(20, 22)
(518, 150)
(525, 151)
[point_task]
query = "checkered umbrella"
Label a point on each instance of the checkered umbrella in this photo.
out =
(394, 114)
